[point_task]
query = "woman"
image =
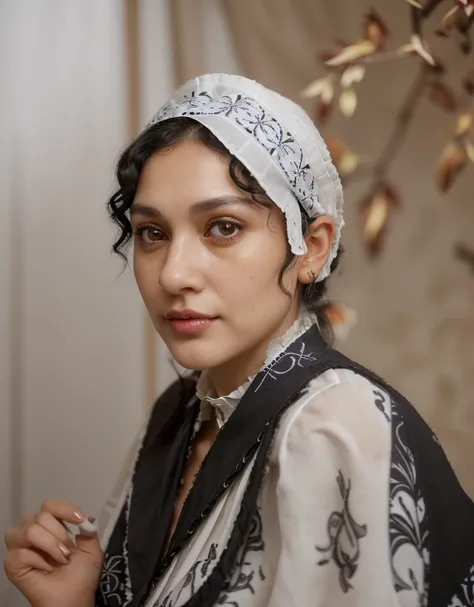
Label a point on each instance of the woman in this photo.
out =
(279, 473)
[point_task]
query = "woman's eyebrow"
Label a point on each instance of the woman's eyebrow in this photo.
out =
(203, 206)
(212, 204)
(147, 210)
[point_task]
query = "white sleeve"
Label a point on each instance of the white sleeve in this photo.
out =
(333, 496)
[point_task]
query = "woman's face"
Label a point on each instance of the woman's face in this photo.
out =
(203, 248)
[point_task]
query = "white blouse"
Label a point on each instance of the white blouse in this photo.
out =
(324, 533)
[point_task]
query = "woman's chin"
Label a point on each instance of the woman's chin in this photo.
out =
(195, 360)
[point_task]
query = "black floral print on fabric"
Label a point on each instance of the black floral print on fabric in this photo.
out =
(198, 572)
(408, 518)
(344, 535)
(245, 573)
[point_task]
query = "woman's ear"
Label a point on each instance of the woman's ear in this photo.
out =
(319, 238)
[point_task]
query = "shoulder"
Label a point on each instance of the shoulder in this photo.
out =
(342, 407)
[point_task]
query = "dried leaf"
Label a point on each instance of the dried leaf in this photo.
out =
(341, 318)
(449, 17)
(415, 3)
(467, 6)
(344, 158)
(375, 29)
(323, 111)
(452, 161)
(377, 212)
(469, 149)
(352, 75)
(323, 87)
(465, 254)
(348, 102)
(352, 53)
(420, 48)
(326, 56)
(463, 124)
(443, 96)
(468, 83)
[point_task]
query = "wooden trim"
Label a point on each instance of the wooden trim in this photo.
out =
(134, 118)
(132, 46)
(17, 411)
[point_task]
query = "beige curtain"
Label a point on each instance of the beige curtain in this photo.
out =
(415, 304)
(187, 38)
(278, 41)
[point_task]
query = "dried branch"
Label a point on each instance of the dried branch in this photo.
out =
(400, 128)
(416, 19)
(430, 7)
(418, 16)
(382, 198)
(465, 254)
(465, 30)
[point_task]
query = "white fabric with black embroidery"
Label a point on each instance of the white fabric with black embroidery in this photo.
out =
(340, 520)
(275, 139)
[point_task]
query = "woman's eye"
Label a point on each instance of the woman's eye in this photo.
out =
(225, 229)
(149, 234)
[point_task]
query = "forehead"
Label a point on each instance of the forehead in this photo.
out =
(187, 172)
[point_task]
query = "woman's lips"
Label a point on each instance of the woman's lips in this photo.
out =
(191, 325)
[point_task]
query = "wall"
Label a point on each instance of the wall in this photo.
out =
(5, 315)
(72, 355)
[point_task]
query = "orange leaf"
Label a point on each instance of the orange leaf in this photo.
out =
(344, 158)
(352, 53)
(443, 96)
(375, 29)
(377, 212)
(452, 161)
(323, 111)
(341, 318)
(468, 83)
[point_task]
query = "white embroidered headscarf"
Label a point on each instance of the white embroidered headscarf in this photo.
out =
(275, 140)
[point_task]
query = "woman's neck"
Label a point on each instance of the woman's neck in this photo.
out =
(234, 373)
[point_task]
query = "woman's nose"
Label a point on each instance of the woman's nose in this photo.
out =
(182, 268)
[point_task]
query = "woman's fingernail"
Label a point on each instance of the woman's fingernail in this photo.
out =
(64, 550)
(88, 527)
(79, 517)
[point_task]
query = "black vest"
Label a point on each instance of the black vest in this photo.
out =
(143, 524)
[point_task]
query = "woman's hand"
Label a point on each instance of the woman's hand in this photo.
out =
(46, 565)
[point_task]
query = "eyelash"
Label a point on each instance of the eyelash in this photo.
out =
(237, 224)
(141, 230)
(232, 222)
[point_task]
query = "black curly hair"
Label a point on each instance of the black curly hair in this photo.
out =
(166, 135)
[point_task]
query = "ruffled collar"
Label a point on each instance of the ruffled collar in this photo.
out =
(224, 406)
